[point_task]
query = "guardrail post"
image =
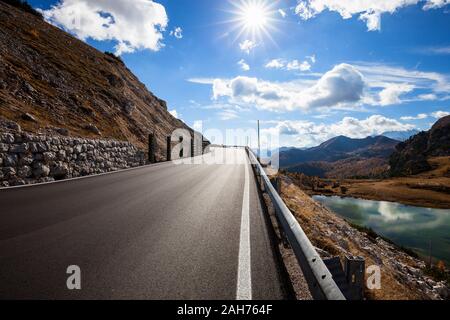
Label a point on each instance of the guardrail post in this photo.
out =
(354, 272)
(169, 148)
(276, 182)
(151, 148)
(261, 181)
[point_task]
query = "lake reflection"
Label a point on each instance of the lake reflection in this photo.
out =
(412, 227)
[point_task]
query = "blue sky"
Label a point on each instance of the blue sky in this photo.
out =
(307, 69)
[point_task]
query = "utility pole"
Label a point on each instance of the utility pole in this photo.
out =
(259, 145)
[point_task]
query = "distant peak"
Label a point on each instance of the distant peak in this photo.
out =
(400, 135)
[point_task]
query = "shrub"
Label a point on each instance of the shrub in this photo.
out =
(372, 235)
(438, 273)
(24, 6)
(116, 58)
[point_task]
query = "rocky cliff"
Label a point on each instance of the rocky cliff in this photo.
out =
(411, 157)
(53, 83)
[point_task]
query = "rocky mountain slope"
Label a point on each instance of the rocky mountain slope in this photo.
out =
(411, 157)
(51, 82)
(341, 157)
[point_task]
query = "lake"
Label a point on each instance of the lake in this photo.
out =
(408, 226)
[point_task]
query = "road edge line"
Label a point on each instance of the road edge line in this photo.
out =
(244, 280)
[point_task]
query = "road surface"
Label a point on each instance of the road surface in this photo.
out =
(168, 231)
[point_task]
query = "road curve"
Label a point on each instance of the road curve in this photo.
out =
(168, 231)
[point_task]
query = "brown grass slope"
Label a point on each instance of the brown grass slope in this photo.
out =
(429, 189)
(64, 83)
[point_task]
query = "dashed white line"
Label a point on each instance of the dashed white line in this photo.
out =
(244, 279)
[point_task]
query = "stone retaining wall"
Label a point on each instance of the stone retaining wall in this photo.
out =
(27, 158)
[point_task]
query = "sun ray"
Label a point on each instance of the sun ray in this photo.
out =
(254, 19)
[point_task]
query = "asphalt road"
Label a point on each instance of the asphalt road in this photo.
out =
(167, 231)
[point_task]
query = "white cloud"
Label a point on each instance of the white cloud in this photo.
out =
(435, 50)
(247, 46)
(134, 25)
(201, 80)
(312, 58)
(391, 94)
(291, 65)
(374, 125)
(174, 113)
(228, 114)
(244, 66)
(308, 134)
(343, 84)
(420, 116)
(345, 87)
(440, 114)
(282, 13)
(304, 10)
(177, 33)
(369, 11)
(435, 4)
(427, 97)
(275, 64)
(220, 88)
(298, 65)
(372, 19)
(380, 75)
(396, 82)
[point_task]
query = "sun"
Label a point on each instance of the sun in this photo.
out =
(254, 16)
(254, 19)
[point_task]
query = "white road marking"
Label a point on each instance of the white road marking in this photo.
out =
(244, 279)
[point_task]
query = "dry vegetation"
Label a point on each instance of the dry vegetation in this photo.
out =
(354, 167)
(429, 189)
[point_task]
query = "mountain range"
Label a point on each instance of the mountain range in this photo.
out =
(379, 156)
(334, 150)
(341, 157)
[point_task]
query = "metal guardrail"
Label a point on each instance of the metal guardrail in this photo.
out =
(319, 279)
